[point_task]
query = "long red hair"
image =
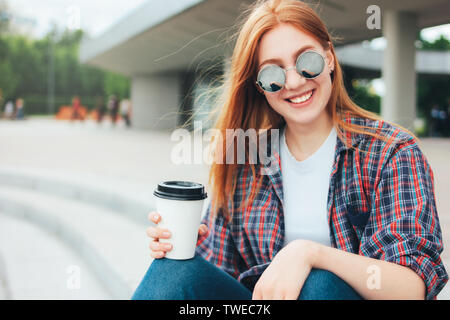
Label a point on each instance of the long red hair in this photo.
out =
(243, 107)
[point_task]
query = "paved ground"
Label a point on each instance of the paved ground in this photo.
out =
(131, 158)
(141, 157)
(132, 162)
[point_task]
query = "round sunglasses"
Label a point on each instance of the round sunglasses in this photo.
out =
(272, 78)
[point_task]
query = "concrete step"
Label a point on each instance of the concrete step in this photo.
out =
(114, 246)
(34, 264)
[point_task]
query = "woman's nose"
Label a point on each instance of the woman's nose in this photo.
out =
(293, 79)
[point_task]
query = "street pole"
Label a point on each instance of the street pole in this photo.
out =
(51, 77)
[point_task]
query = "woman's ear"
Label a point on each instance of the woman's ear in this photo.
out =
(330, 59)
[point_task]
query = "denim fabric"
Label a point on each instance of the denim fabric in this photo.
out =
(198, 279)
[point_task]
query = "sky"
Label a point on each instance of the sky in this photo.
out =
(93, 16)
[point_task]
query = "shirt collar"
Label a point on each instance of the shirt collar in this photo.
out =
(353, 138)
(272, 169)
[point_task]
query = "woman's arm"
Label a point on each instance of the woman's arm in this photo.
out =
(371, 278)
(403, 227)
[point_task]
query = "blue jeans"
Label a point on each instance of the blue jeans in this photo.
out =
(198, 279)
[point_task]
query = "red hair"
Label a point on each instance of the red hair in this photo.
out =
(243, 107)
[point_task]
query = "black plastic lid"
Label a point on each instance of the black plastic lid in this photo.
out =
(180, 190)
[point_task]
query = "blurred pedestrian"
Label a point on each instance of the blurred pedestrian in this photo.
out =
(100, 108)
(442, 122)
(448, 105)
(9, 110)
(447, 125)
(113, 107)
(20, 112)
(434, 121)
(125, 111)
(76, 108)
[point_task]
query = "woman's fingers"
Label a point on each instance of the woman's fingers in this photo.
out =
(159, 246)
(158, 233)
(157, 254)
(202, 230)
(158, 249)
(154, 217)
(155, 232)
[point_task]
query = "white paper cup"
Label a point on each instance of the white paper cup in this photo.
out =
(180, 205)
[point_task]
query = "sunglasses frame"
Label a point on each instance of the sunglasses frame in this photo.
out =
(285, 70)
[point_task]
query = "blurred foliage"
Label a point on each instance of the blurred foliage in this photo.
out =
(365, 96)
(440, 44)
(25, 68)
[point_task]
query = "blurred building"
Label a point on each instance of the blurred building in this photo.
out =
(165, 47)
(17, 23)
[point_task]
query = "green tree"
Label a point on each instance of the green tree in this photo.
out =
(8, 80)
(116, 84)
(364, 96)
(24, 69)
(440, 44)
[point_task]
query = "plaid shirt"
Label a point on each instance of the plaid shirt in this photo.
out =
(381, 204)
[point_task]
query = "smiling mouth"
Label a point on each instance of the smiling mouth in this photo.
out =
(301, 98)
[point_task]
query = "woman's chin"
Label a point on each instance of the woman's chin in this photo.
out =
(304, 117)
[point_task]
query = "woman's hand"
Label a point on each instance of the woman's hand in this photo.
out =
(284, 277)
(158, 249)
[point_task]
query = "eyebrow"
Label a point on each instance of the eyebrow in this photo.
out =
(295, 55)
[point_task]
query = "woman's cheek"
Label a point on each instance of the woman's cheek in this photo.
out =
(275, 102)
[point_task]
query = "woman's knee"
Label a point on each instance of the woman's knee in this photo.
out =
(325, 285)
(170, 279)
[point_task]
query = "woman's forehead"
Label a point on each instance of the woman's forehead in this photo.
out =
(283, 41)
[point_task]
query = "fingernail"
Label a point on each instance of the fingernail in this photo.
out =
(167, 246)
(166, 234)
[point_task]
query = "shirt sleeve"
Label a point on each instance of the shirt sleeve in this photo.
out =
(217, 245)
(404, 226)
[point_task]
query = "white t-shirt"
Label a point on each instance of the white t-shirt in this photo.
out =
(305, 190)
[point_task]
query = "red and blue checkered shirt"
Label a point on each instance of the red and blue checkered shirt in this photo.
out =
(381, 204)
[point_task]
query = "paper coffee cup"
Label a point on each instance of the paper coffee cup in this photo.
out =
(180, 205)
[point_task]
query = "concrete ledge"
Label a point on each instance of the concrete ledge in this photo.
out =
(115, 196)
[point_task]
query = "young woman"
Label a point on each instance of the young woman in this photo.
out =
(349, 210)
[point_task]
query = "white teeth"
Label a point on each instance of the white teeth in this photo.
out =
(302, 98)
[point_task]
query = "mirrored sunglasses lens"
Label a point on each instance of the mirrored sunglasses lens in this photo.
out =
(310, 64)
(271, 78)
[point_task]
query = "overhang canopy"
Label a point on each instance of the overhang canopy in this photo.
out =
(171, 35)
